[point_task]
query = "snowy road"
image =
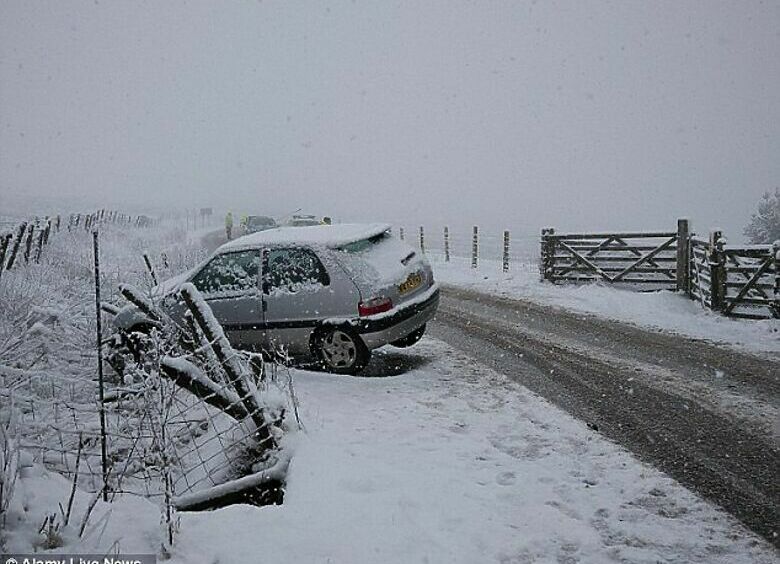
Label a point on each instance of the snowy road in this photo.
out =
(706, 415)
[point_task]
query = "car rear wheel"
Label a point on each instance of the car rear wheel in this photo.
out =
(341, 351)
(410, 339)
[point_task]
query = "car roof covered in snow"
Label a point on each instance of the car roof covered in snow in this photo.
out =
(331, 236)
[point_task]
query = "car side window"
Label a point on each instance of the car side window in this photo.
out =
(294, 269)
(229, 273)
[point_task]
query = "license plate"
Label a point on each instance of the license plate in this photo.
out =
(412, 282)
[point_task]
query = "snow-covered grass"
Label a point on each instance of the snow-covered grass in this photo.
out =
(129, 524)
(665, 311)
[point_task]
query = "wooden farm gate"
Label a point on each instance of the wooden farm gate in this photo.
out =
(703, 284)
(738, 281)
(651, 260)
(752, 282)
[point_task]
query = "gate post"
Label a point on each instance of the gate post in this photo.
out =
(683, 262)
(446, 244)
(547, 254)
(717, 271)
(475, 247)
(505, 262)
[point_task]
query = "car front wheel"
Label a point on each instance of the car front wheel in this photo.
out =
(341, 351)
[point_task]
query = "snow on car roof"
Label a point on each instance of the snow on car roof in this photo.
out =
(331, 236)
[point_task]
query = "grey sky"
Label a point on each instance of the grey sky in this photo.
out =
(573, 114)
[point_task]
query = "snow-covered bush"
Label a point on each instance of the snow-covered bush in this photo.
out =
(764, 226)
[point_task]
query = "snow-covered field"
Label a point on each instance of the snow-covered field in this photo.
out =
(665, 311)
(427, 458)
(444, 462)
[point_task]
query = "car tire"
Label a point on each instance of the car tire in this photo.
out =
(340, 350)
(410, 339)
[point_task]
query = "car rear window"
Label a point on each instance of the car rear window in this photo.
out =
(363, 245)
(379, 261)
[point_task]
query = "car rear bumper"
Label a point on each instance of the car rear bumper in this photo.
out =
(381, 330)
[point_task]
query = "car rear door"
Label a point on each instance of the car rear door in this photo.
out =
(302, 287)
(230, 285)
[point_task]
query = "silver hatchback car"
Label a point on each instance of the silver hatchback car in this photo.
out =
(332, 291)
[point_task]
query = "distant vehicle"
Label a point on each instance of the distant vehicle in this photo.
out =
(255, 223)
(332, 292)
(303, 221)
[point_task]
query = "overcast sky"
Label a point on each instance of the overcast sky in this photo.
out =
(579, 115)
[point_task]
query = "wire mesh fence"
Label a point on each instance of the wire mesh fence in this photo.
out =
(444, 243)
(163, 440)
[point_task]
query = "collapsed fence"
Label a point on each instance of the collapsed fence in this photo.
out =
(177, 428)
(737, 281)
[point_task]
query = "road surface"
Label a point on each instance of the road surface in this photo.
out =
(706, 415)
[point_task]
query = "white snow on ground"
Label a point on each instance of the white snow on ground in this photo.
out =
(445, 462)
(129, 524)
(667, 311)
(451, 462)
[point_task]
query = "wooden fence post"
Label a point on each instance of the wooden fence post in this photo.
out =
(214, 334)
(475, 247)
(446, 244)
(41, 235)
(4, 242)
(422, 239)
(47, 231)
(683, 259)
(776, 258)
(505, 261)
(150, 268)
(717, 271)
(28, 243)
(547, 254)
(17, 242)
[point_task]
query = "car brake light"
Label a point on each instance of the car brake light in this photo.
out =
(374, 306)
